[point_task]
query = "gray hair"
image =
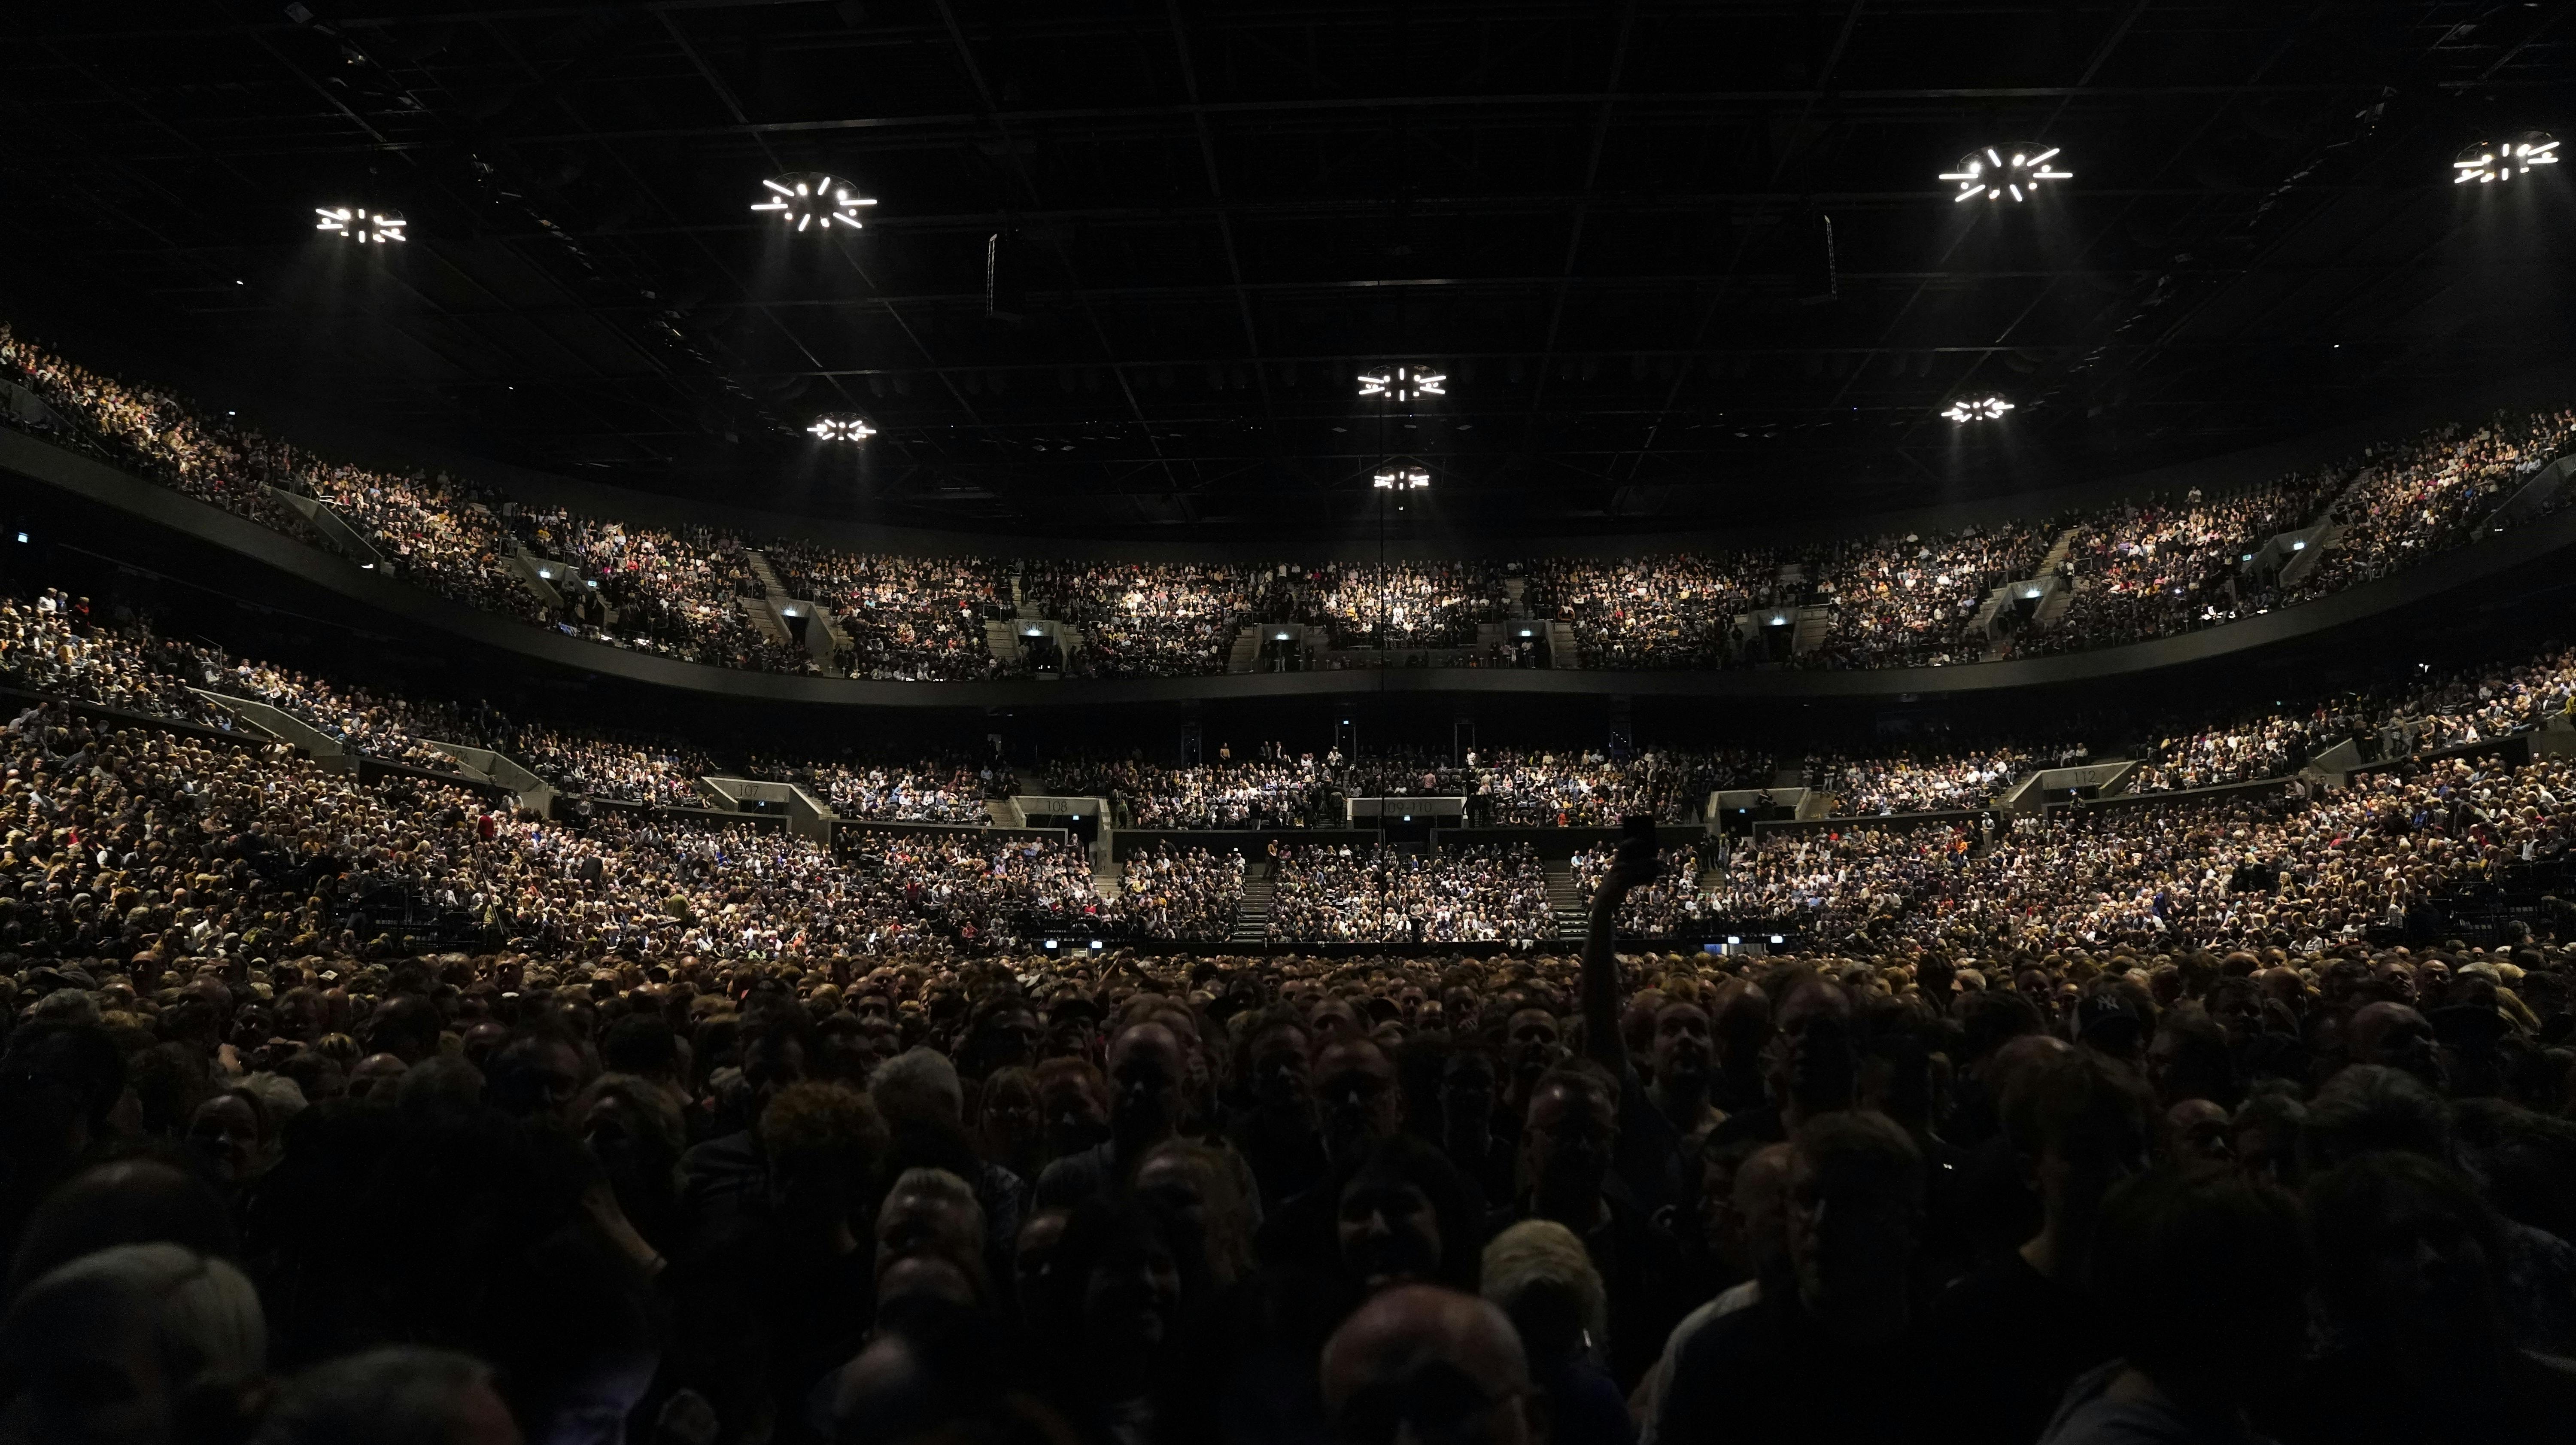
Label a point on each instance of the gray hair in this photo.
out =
(918, 1081)
(402, 1395)
(204, 1312)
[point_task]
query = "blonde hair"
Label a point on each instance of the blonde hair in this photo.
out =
(1539, 1263)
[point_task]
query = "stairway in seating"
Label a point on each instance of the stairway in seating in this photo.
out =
(768, 575)
(1252, 910)
(2001, 596)
(1246, 650)
(765, 621)
(1565, 899)
(1813, 624)
(1002, 639)
(834, 633)
(2053, 607)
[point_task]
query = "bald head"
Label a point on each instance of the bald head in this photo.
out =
(1446, 1363)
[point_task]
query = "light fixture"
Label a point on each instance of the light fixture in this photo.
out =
(361, 225)
(1402, 383)
(808, 197)
(1402, 479)
(2491, 161)
(1984, 408)
(1999, 173)
(841, 427)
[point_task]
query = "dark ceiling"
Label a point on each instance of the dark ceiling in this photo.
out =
(1601, 221)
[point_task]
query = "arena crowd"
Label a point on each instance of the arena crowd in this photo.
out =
(712, 1134)
(2136, 570)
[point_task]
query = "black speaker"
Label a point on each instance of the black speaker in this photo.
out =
(1817, 279)
(1006, 283)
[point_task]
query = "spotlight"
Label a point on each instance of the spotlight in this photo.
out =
(359, 225)
(1998, 173)
(1988, 408)
(2490, 161)
(1403, 479)
(841, 427)
(806, 197)
(1403, 383)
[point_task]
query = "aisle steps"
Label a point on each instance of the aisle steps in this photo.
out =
(767, 575)
(1565, 899)
(1002, 639)
(2053, 607)
(1252, 911)
(766, 621)
(1996, 600)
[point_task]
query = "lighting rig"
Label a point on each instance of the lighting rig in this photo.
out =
(809, 197)
(840, 427)
(2490, 161)
(1984, 408)
(1403, 383)
(384, 228)
(2001, 173)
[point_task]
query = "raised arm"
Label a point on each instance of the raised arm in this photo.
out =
(1634, 865)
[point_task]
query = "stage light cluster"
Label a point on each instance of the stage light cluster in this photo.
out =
(2490, 161)
(1403, 383)
(1402, 479)
(807, 197)
(841, 428)
(384, 228)
(2000, 173)
(1984, 408)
